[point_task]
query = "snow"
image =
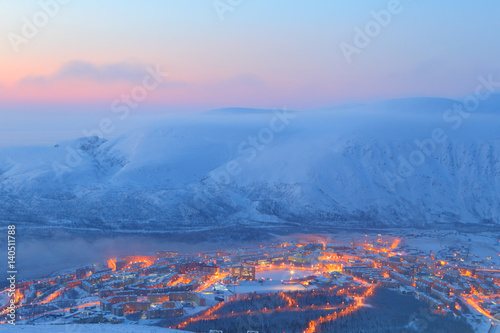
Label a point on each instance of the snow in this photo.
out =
(272, 282)
(97, 328)
(481, 245)
(4, 298)
(326, 167)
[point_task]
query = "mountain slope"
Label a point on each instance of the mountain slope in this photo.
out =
(370, 165)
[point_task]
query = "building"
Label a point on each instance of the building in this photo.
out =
(199, 267)
(120, 264)
(166, 254)
(81, 273)
(87, 287)
(121, 309)
(168, 309)
(90, 318)
(246, 273)
(107, 304)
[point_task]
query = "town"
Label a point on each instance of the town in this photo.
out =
(211, 291)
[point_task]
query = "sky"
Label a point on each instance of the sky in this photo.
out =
(68, 57)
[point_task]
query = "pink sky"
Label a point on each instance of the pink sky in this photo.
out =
(262, 54)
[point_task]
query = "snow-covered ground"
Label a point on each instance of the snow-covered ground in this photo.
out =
(479, 323)
(273, 282)
(267, 287)
(4, 298)
(101, 328)
(481, 246)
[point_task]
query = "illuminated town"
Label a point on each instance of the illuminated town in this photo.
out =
(283, 286)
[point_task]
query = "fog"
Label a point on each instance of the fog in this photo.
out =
(37, 258)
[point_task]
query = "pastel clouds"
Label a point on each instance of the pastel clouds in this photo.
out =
(86, 82)
(81, 70)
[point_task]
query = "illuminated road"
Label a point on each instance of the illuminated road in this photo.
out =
(292, 306)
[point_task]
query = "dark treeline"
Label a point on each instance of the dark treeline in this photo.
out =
(389, 312)
(288, 312)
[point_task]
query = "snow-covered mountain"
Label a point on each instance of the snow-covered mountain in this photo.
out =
(412, 162)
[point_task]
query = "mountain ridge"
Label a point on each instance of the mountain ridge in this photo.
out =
(342, 169)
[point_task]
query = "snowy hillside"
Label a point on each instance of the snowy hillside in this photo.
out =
(102, 328)
(397, 163)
